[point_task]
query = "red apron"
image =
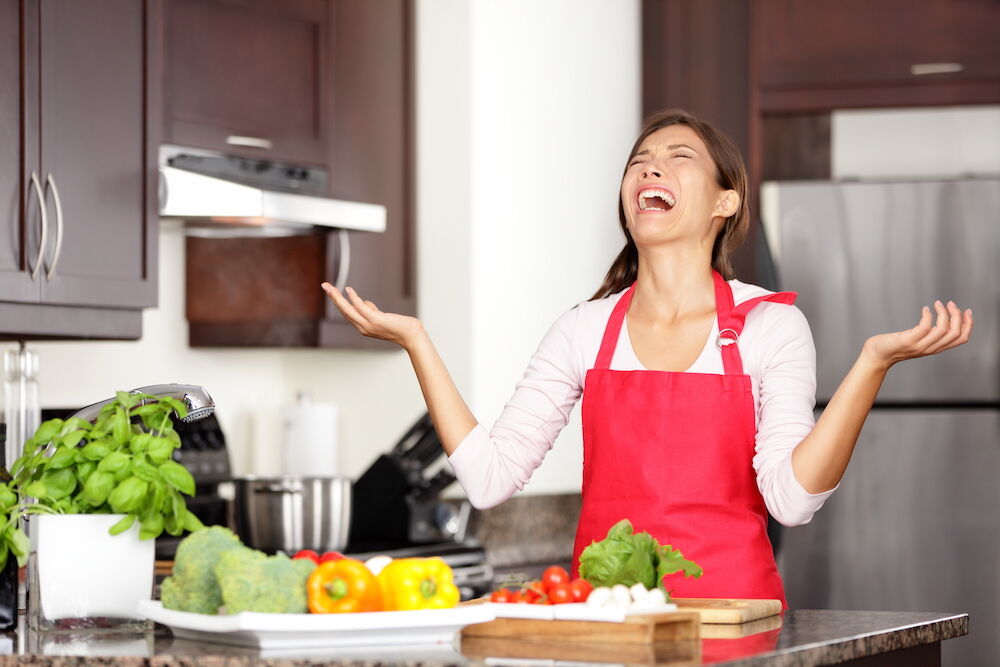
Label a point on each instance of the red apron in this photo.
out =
(673, 452)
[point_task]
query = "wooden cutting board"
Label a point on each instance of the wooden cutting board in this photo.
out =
(635, 629)
(740, 630)
(722, 610)
(489, 649)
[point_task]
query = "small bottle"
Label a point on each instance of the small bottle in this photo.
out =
(21, 407)
(22, 416)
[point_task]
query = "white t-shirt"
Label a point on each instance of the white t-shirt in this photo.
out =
(777, 350)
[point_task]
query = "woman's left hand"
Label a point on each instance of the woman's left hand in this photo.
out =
(952, 328)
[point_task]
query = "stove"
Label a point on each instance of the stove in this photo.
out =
(203, 452)
(467, 560)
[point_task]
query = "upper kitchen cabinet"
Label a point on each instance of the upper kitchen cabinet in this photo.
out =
(15, 278)
(372, 157)
(339, 71)
(79, 127)
(851, 53)
(249, 77)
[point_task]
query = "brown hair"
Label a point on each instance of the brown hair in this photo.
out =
(732, 175)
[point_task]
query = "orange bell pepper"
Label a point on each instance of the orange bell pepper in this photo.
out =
(343, 586)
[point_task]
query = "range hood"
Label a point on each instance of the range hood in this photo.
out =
(218, 195)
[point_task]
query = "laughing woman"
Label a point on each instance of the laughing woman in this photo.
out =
(698, 390)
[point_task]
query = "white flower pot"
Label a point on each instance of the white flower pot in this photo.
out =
(82, 577)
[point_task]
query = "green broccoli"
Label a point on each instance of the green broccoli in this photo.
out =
(193, 586)
(253, 581)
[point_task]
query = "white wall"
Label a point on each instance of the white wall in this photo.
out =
(556, 107)
(915, 143)
(526, 110)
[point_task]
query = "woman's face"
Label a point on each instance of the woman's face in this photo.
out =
(670, 191)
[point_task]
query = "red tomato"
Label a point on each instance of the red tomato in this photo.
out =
(331, 555)
(561, 594)
(554, 576)
(307, 553)
(503, 595)
(581, 589)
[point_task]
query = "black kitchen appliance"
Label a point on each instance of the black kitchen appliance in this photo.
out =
(397, 510)
(203, 452)
(396, 503)
(8, 575)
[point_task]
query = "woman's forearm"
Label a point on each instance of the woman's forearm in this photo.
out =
(451, 416)
(819, 461)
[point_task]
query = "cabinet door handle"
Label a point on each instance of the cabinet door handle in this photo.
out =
(344, 266)
(50, 181)
(923, 69)
(45, 225)
(249, 142)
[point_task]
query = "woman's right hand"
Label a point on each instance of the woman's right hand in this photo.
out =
(370, 321)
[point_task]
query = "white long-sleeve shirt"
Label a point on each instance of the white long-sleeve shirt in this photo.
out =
(777, 351)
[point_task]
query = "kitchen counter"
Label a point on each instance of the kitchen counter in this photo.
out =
(798, 638)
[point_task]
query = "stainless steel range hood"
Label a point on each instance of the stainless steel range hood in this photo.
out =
(217, 195)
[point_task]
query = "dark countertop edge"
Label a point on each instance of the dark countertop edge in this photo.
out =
(863, 645)
(833, 651)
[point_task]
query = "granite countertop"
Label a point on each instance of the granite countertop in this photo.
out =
(798, 638)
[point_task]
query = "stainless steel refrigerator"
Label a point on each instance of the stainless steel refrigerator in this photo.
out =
(915, 524)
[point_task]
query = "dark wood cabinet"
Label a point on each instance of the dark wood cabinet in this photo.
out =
(80, 219)
(849, 53)
(250, 77)
(369, 149)
(98, 147)
(372, 157)
(18, 244)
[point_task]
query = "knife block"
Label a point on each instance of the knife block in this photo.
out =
(395, 504)
(387, 512)
(380, 514)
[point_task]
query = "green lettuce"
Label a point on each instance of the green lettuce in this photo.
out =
(626, 557)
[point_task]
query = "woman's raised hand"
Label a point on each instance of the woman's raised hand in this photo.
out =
(372, 322)
(951, 329)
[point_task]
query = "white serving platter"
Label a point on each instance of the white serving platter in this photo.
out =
(310, 631)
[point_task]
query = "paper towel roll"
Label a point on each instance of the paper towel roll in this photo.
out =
(310, 438)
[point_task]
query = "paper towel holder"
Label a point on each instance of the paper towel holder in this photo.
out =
(309, 437)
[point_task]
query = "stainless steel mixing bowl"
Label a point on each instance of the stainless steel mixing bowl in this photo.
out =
(293, 512)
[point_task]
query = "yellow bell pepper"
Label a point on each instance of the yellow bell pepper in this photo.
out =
(417, 583)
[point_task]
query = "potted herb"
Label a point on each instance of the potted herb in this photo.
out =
(95, 495)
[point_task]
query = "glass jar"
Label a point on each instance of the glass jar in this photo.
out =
(22, 409)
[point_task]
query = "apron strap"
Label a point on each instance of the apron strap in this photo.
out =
(612, 330)
(731, 320)
(723, 297)
(731, 327)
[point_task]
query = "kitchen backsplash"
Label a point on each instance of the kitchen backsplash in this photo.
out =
(529, 529)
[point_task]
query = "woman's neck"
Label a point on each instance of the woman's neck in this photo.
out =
(672, 283)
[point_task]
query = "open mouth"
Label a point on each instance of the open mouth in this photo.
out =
(656, 200)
